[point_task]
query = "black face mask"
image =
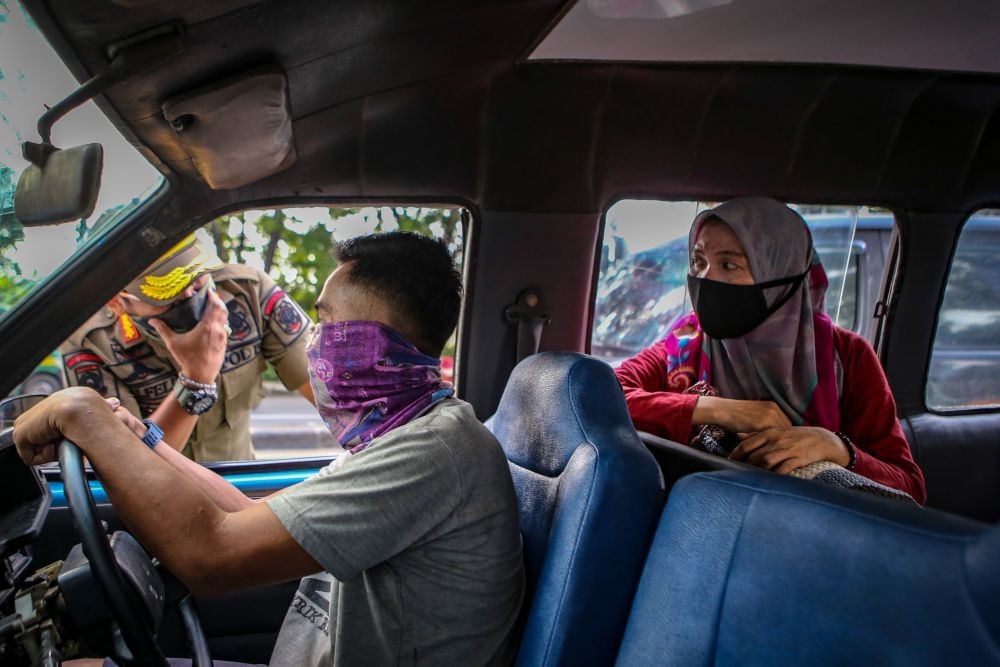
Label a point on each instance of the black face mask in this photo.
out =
(729, 311)
(183, 316)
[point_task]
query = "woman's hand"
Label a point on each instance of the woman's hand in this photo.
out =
(739, 416)
(786, 448)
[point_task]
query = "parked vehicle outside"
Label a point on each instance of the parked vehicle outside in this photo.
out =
(47, 377)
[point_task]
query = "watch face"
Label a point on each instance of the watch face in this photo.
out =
(195, 401)
(202, 405)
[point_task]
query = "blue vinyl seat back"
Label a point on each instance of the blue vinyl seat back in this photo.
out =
(760, 569)
(590, 495)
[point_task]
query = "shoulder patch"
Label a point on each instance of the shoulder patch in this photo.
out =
(88, 371)
(283, 316)
(272, 299)
(74, 360)
(288, 317)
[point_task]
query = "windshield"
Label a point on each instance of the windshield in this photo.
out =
(31, 77)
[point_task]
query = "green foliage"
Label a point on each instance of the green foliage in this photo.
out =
(13, 285)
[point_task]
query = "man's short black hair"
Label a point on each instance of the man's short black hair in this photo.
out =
(415, 274)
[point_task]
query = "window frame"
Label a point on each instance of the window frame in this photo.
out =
(891, 210)
(466, 220)
(135, 224)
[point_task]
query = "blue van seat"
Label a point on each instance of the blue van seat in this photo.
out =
(590, 495)
(760, 569)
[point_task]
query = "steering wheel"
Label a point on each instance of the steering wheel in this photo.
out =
(127, 609)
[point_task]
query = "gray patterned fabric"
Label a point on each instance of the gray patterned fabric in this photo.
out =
(716, 440)
(835, 475)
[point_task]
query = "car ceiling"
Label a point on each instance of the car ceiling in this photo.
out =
(376, 87)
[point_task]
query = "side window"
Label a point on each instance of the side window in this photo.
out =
(965, 360)
(293, 246)
(259, 386)
(642, 283)
(642, 286)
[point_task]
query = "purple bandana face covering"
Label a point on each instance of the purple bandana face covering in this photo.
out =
(368, 380)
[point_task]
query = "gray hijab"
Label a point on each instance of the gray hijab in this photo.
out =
(777, 360)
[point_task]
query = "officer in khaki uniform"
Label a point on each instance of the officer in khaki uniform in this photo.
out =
(191, 357)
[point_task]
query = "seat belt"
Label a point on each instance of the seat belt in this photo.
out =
(530, 316)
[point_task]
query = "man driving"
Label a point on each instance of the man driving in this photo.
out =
(186, 344)
(416, 523)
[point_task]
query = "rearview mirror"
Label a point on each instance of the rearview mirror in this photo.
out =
(59, 187)
(62, 185)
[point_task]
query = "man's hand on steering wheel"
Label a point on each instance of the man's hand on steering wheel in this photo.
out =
(47, 432)
(69, 413)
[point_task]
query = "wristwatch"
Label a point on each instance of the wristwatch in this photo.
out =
(196, 398)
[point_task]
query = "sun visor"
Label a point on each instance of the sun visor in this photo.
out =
(238, 130)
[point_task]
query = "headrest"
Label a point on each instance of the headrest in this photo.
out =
(555, 401)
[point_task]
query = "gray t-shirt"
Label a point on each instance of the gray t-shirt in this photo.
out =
(420, 534)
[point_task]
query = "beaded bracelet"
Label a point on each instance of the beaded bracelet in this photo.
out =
(850, 449)
(191, 384)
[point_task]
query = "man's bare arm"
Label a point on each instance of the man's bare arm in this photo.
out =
(211, 550)
(224, 494)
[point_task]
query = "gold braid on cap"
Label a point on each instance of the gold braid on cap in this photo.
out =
(173, 283)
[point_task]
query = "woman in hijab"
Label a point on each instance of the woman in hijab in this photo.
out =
(796, 388)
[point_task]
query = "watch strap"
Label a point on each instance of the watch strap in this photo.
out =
(154, 434)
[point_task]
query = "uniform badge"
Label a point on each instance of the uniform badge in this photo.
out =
(287, 316)
(130, 332)
(86, 368)
(277, 294)
(239, 323)
(280, 309)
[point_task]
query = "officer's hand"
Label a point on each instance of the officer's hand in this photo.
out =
(69, 413)
(199, 352)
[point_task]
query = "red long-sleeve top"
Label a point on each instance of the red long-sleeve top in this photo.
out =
(867, 410)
